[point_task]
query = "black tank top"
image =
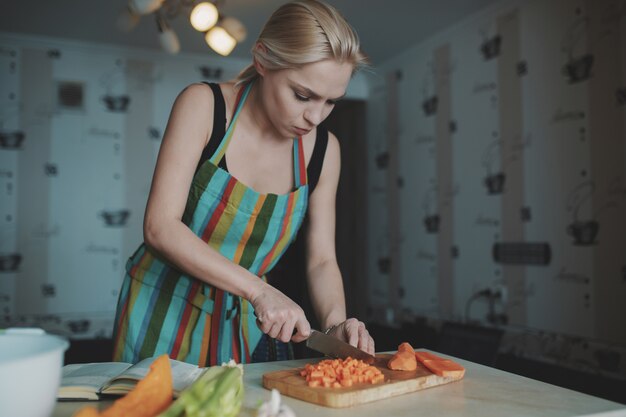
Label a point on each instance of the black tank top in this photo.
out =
(313, 169)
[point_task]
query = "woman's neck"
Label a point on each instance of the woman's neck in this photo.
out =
(256, 115)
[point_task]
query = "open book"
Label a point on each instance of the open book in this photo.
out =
(89, 381)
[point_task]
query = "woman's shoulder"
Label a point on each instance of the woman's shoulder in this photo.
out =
(199, 97)
(198, 94)
(202, 94)
(193, 111)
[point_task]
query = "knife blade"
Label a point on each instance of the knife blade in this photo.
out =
(336, 348)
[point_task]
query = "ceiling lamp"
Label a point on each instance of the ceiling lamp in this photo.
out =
(204, 16)
(221, 33)
(167, 37)
(234, 27)
(220, 40)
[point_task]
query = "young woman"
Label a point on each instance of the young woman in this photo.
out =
(240, 165)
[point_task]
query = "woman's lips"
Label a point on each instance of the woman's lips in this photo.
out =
(301, 132)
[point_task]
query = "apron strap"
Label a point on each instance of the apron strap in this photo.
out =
(221, 149)
(299, 167)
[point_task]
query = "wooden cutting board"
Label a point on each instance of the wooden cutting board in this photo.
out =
(290, 383)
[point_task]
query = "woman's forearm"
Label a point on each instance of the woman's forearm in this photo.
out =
(327, 294)
(178, 245)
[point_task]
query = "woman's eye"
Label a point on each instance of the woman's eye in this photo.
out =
(301, 97)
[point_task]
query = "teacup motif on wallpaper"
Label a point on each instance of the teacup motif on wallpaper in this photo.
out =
(382, 160)
(578, 69)
(210, 72)
(430, 105)
(11, 140)
(431, 219)
(117, 104)
(10, 262)
(522, 68)
(584, 228)
(431, 223)
(583, 232)
(495, 177)
(115, 218)
(491, 47)
(384, 265)
(495, 183)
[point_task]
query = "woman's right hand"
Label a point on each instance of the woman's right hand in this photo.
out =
(278, 316)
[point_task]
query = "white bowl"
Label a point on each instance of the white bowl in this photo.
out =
(30, 372)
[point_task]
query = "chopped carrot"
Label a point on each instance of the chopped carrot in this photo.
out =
(152, 395)
(337, 373)
(378, 378)
(445, 368)
(317, 374)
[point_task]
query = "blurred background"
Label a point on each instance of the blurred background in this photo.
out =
(482, 203)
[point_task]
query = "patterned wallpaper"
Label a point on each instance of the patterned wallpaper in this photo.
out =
(80, 128)
(498, 172)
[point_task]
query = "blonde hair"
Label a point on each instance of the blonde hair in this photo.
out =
(304, 32)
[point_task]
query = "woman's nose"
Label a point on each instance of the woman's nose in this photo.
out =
(314, 115)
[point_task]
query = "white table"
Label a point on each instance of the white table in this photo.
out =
(484, 392)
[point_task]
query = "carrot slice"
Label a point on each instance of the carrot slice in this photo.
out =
(152, 395)
(422, 355)
(406, 347)
(87, 411)
(402, 361)
(445, 368)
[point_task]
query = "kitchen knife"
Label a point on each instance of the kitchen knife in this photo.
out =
(336, 348)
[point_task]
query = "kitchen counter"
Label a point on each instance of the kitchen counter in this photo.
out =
(484, 392)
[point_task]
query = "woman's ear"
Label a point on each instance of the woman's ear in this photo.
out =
(260, 69)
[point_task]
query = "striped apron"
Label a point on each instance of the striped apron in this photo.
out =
(163, 310)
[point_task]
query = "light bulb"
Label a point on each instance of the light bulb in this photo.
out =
(220, 40)
(169, 41)
(234, 27)
(204, 16)
(167, 37)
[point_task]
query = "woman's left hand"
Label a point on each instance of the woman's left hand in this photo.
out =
(354, 332)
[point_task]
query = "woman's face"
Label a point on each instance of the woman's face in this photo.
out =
(297, 100)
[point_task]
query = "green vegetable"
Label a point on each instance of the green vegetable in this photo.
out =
(218, 392)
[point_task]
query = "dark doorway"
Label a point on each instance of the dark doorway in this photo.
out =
(347, 122)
